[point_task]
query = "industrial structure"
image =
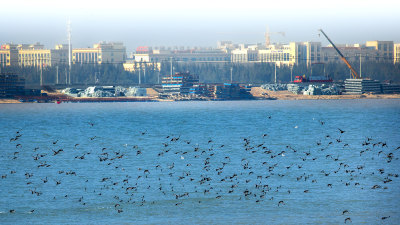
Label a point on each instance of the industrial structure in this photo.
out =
(180, 84)
(186, 85)
(358, 85)
(11, 85)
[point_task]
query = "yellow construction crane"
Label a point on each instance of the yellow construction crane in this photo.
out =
(354, 74)
(268, 38)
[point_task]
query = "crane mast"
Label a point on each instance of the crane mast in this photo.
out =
(354, 74)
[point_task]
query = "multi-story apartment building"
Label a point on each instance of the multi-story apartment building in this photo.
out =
(133, 66)
(37, 55)
(308, 52)
(147, 54)
(114, 53)
(280, 54)
(245, 54)
(351, 53)
(8, 55)
(289, 54)
(384, 47)
(396, 53)
(226, 46)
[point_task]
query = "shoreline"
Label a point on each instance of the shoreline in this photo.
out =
(261, 98)
(286, 95)
(257, 92)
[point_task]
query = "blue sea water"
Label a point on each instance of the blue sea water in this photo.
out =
(228, 162)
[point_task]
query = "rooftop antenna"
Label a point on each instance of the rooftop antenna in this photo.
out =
(171, 67)
(267, 37)
(69, 47)
(231, 74)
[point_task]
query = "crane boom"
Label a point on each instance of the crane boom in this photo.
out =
(354, 74)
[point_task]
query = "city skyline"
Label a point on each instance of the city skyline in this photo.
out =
(178, 23)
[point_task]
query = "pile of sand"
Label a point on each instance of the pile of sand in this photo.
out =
(258, 92)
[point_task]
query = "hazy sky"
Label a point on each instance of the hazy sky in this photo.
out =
(196, 23)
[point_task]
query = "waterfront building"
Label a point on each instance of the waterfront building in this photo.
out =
(351, 53)
(245, 54)
(396, 53)
(226, 46)
(133, 66)
(279, 54)
(85, 55)
(113, 52)
(384, 47)
(147, 54)
(36, 55)
(8, 55)
(307, 52)
(291, 54)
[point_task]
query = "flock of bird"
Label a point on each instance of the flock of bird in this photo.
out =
(182, 171)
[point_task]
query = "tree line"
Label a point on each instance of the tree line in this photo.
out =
(255, 73)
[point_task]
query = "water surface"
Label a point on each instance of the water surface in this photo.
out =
(242, 162)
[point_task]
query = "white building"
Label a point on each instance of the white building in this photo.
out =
(145, 54)
(351, 53)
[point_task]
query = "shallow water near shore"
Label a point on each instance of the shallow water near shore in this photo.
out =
(241, 162)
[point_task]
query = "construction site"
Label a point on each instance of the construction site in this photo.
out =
(184, 86)
(355, 87)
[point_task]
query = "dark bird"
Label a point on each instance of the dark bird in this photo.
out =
(56, 152)
(345, 211)
(281, 202)
(341, 131)
(347, 219)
